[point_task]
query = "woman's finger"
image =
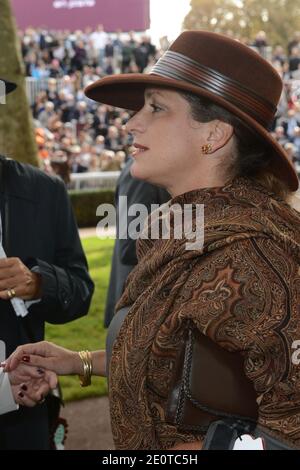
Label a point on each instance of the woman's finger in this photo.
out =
(34, 391)
(23, 399)
(28, 372)
(38, 362)
(25, 353)
(42, 392)
(51, 378)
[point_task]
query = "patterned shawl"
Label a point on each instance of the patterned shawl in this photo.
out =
(160, 290)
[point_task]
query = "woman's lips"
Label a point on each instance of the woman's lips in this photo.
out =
(139, 149)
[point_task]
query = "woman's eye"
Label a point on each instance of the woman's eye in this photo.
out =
(155, 108)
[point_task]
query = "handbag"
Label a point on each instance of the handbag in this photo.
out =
(209, 384)
(225, 434)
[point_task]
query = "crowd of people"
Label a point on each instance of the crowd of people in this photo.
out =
(72, 133)
(75, 135)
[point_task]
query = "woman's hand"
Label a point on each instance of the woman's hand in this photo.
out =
(30, 385)
(47, 356)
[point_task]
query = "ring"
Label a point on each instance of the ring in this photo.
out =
(11, 293)
(41, 401)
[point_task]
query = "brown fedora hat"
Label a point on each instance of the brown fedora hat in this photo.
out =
(219, 68)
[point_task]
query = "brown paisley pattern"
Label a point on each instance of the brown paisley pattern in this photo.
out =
(242, 290)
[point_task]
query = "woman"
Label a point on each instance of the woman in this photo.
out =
(201, 132)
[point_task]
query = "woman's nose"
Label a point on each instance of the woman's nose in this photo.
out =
(135, 123)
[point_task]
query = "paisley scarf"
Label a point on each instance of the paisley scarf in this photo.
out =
(162, 290)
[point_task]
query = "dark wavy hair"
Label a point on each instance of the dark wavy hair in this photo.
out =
(252, 157)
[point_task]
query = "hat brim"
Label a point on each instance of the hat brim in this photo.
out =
(9, 86)
(127, 91)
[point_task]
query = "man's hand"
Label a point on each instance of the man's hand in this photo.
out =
(16, 280)
(30, 385)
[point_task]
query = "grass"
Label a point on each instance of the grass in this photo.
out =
(87, 332)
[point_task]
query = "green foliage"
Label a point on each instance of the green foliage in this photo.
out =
(87, 332)
(245, 18)
(16, 132)
(85, 204)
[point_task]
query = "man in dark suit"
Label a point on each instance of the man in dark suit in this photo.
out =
(124, 255)
(45, 271)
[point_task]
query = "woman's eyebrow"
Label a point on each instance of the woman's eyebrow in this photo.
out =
(150, 93)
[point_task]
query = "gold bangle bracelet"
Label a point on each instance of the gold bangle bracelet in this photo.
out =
(86, 358)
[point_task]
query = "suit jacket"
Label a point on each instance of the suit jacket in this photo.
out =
(124, 255)
(41, 231)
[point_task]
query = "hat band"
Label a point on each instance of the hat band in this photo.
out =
(179, 67)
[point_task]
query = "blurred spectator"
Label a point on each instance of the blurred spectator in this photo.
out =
(280, 136)
(99, 40)
(279, 55)
(290, 151)
(295, 42)
(294, 59)
(113, 139)
(99, 144)
(79, 59)
(289, 123)
(55, 69)
(75, 160)
(60, 166)
(120, 157)
(52, 94)
(108, 161)
(94, 163)
(46, 114)
(260, 43)
(296, 142)
(142, 53)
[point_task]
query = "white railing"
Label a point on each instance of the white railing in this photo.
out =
(35, 85)
(94, 180)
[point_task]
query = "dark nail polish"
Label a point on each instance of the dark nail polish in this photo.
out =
(24, 387)
(20, 394)
(40, 371)
(26, 358)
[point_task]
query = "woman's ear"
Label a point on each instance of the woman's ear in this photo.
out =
(220, 134)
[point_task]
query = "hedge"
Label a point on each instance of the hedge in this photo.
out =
(85, 203)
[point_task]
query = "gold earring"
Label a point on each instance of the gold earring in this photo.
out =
(206, 148)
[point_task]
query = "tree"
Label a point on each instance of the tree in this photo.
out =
(245, 18)
(16, 130)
